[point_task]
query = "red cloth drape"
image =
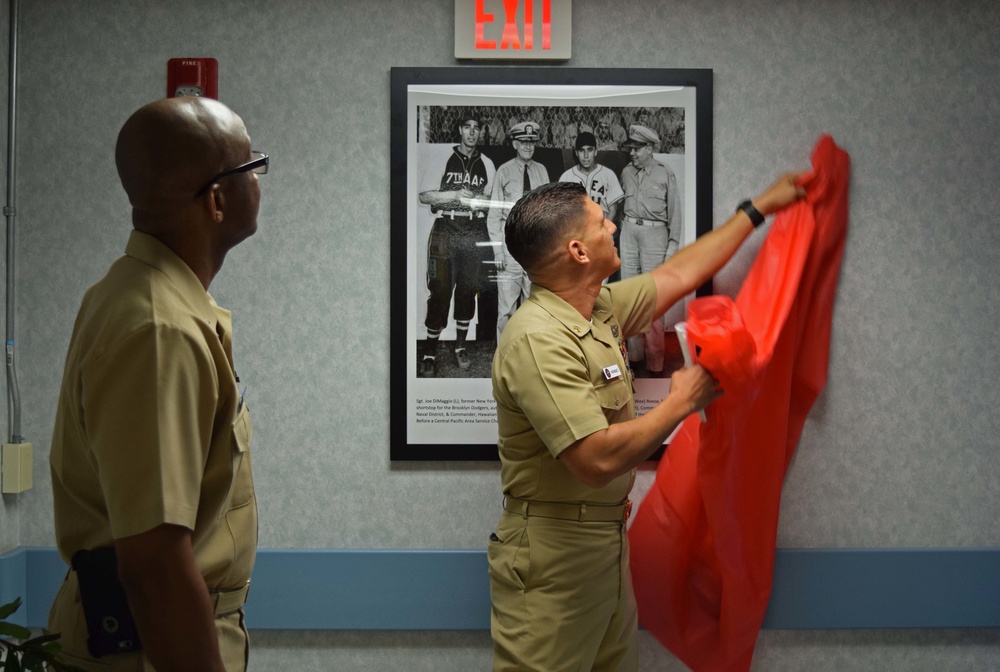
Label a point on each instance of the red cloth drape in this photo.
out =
(703, 540)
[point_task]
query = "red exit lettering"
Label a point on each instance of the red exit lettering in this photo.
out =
(511, 38)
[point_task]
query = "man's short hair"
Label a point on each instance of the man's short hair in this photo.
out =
(540, 219)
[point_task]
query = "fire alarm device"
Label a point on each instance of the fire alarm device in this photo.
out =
(193, 77)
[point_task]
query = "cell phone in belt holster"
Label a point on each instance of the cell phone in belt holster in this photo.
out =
(110, 626)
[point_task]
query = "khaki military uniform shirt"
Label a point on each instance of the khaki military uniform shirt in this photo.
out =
(652, 194)
(557, 378)
(151, 425)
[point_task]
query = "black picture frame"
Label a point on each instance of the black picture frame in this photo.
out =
(448, 417)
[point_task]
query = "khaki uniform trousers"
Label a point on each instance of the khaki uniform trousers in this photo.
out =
(66, 617)
(562, 597)
(644, 248)
(513, 289)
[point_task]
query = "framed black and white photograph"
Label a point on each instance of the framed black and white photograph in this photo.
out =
(466, 143)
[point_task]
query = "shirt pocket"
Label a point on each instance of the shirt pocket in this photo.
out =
(613, 396)
(241, 487)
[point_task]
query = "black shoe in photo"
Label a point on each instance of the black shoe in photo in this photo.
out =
(427, 368)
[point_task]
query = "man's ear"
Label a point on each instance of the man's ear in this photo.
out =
(215, 201)
(578, 251)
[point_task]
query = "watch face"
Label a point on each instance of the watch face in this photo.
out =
(188, 90)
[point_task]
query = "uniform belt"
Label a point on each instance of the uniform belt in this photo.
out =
(223, 601)
(227, 601)
(643, 222)
(456, 214)
(565, 511)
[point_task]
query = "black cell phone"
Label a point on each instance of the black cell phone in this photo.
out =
(110, 626)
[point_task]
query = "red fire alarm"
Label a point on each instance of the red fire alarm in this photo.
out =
(193, 77)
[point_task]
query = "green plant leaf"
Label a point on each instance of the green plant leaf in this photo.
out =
(13, 664)
(34, 657)
(52, 648)
(9, 608)
(41, 639)
(14, 630)
(32, 663)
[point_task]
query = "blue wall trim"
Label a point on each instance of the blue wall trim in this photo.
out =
(449, 589)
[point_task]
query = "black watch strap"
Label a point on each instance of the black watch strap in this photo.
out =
(753, 213)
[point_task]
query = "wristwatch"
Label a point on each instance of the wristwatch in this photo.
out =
(753, 213)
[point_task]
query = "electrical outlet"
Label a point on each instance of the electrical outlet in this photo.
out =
(15, 464)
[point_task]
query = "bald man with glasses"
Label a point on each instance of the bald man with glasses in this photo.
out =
(151, 476)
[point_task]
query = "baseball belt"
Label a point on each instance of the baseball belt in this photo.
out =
(457, 214)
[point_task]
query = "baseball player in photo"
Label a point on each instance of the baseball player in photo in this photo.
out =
(601, 182)
(458, 249)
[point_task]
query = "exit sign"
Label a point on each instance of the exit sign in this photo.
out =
(513, 29)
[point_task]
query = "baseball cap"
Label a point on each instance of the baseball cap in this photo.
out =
(639, 135)
(470, 115)
(586, 139)
(526, 130)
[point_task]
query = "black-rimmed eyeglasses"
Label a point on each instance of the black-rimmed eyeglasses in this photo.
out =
(258, 164)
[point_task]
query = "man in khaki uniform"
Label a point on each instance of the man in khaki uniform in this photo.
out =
(513, 179)
(151, 447)
(651, 229)
(569, 440)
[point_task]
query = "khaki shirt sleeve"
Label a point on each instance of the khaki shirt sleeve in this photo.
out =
(634, 301)
(149, 405)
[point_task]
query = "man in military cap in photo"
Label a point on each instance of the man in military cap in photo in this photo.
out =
(513, 179)
(650, 230)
